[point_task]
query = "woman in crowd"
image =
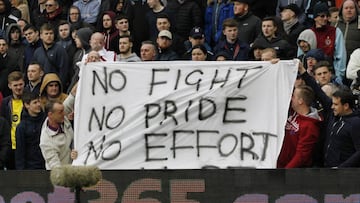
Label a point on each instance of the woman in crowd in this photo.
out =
(199, 53)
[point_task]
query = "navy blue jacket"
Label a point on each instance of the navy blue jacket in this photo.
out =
(241, 55)
(56, 61)
(29, 53)
(342, 146)
(342, 133)
(28, 154)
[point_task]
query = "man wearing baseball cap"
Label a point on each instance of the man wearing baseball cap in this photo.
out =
(163, 42)
(196, 37)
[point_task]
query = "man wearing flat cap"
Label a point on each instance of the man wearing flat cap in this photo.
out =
(302, 5)
(163, 42)
(292, 26)
(249, 25)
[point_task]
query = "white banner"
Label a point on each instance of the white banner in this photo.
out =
(182, 114)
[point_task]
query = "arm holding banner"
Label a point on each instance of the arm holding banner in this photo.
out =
(319, 93)
(70, 101)
(139, 121)
(326, 102)
(69, 109)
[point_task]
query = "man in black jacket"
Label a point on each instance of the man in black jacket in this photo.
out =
(4, 141)
(9, 64)
(271, 37)
(342, 125)
(249, 25)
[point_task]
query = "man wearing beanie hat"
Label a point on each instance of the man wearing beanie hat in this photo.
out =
(312, 57)
(330, 40)
(249, 25)
(292, 26)
(301, 4)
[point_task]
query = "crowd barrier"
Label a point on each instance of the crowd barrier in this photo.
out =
(191, 186)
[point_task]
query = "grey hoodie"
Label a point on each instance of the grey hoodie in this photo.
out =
(308, 36)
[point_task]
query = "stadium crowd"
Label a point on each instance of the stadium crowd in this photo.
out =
(42, 41)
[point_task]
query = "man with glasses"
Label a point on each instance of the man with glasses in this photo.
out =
(54, 13)
(330, 40)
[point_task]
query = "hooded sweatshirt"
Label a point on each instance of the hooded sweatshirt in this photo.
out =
(51, 77)
(109, 34)
(16, 47)
(301, 134)
(308, 36)
(84, 35)
(6, 18)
